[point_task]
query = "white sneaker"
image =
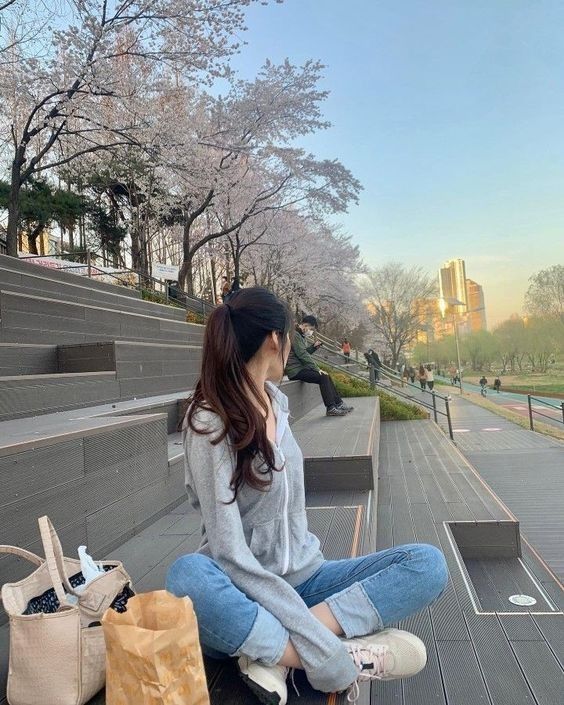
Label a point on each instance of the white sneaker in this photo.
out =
(386, 655)
(268, 683)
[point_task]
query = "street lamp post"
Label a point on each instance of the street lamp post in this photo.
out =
(443, 304)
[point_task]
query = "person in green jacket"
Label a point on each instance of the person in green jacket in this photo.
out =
(301, 366)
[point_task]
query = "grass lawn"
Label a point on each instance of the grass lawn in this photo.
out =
(391, 408)
(551, 383)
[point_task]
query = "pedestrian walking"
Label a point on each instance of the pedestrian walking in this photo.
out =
(412, 374)
(374, 364)
(346, 350)
(483, 386)
(430, 377)
(405, 376)
(422, 377)
(497, 384)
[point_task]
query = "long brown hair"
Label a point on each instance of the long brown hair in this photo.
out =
(234, 333)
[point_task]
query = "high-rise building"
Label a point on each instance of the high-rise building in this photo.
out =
(476, 306)
(452, 284)
(470, 315)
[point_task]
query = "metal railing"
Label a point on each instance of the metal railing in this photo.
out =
(532, 411)
(170, 295)
(430, 405)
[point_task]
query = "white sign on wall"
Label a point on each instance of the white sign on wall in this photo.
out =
(165, 271)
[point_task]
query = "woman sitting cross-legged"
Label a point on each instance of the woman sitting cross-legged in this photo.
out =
(261, 588)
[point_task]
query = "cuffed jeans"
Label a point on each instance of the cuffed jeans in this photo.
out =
(365, 595)
(326, 387)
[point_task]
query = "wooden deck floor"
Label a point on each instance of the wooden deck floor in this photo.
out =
(476, 654)
(481, 649)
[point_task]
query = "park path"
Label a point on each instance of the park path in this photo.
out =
(543, 407)
(525, 469)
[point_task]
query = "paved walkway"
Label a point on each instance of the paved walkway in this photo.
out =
(525, 469)
(546, 410)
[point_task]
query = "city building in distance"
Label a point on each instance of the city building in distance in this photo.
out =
(452, 284)
(470, 315)
(476, 306)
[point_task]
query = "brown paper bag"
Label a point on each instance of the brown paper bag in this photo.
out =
(153, 654)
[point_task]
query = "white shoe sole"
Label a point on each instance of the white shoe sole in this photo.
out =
(267, 690)
(266, 697)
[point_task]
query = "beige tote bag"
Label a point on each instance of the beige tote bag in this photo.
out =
(58, 658)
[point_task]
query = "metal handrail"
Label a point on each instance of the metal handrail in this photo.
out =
(198, 305)
(384, 370)
(430, 406)
(539, 413)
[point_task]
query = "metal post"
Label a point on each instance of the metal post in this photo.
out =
(89, 263)
(434, 406)
(530, 412)
(449, 420)
(562, 405)
(455, 326)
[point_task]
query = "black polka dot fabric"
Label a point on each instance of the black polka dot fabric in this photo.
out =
(48, 601)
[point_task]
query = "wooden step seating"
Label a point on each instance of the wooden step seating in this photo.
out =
(341, 452)
(25, 277)
(94, 373)
(427, 492)
(32, 318)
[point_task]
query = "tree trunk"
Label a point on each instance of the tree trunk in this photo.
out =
(213, 279)
(185, 275)
(237, 263)
(32, 238)
(14, 205)
(32, 243)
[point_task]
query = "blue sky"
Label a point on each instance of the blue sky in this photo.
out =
(451, 113)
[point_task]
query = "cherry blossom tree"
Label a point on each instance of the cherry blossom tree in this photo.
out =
(232, 159)
(311, 265)
(57, 90)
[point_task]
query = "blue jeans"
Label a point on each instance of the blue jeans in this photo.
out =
(365, 595)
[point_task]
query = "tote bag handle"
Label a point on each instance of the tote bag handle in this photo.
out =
(22, 553)
(55, 559)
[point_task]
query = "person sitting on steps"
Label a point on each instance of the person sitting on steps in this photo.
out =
(301, 366)
(261, 588)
